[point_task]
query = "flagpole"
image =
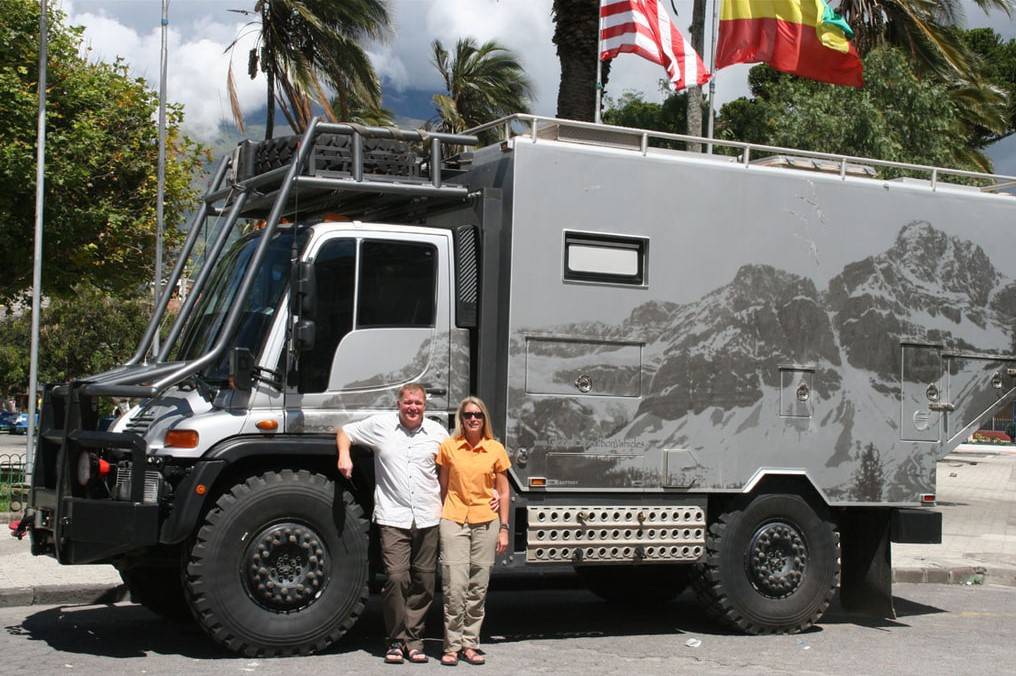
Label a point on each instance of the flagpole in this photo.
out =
(599, 84)
(161, 189)
(712, 69)
(40, 176)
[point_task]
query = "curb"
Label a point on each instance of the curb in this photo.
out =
(968, 575)
(105, 594)
(63, 594)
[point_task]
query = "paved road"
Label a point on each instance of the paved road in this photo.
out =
(941, 629)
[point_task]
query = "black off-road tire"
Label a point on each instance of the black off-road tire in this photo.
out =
(160, 589)
(280, 565)
(635, 585)
(772, 565)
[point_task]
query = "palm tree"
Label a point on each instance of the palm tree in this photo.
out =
(305, 47)
(576, 35)
(483, 82)
(922, 28)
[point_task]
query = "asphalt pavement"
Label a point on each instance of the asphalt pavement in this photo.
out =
(976, 494)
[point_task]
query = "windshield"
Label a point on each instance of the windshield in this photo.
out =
(220, 294)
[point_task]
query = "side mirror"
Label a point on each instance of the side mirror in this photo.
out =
(306, 290)
(241, 369)
(303, 335)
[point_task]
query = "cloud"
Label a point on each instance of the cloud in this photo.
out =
(197, 65)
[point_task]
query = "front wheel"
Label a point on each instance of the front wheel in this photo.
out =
(280, 565)
(771, 566)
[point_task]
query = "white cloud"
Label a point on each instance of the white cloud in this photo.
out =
(200, 30)
(196, 68)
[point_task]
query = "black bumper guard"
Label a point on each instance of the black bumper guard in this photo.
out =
(72, 526)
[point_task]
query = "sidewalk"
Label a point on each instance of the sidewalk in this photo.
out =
(977, 498)
(976, 494)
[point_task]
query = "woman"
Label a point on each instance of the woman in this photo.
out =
(472, 464)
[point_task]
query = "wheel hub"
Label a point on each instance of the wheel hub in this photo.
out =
(777, 559)
(284, 567)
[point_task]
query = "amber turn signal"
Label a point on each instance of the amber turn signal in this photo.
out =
(182, 438)
(267, 425)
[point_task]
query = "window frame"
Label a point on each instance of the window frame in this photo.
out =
(639, 244)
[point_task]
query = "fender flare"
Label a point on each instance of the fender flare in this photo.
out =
(190, 504)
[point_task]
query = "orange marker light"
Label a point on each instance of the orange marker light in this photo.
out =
(537, 482)
(182, 438)
(267, 425)
(201, 489)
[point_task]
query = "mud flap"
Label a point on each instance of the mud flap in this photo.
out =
(866, 562)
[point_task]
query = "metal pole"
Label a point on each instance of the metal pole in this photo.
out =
(712, 69)
(599, 74)
(161, 194)
(40, 174)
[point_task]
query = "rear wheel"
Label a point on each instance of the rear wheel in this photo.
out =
(635, 585)
(771, 566)
(280, 565)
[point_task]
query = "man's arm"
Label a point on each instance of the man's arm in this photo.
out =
(345, 462)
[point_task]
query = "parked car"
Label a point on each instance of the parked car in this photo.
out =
(7, 420)
(21, 425)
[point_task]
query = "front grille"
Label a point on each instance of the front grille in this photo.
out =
(140, 422)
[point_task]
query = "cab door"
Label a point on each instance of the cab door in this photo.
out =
(381, 318)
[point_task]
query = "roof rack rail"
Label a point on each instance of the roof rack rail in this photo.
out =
(538, 127)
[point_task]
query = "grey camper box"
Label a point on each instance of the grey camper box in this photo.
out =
(702, 366)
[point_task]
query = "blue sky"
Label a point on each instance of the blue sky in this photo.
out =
(200, 30)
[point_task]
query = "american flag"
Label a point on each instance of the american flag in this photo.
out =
(644, 27)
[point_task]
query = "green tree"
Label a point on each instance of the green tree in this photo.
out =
(101, 158)
(87, 332)
(632, 110)
(895, 116)
(482, 83)
(305, 47)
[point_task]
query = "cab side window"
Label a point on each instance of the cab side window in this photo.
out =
(397, 284)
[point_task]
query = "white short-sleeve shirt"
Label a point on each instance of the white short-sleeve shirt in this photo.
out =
(406, 490)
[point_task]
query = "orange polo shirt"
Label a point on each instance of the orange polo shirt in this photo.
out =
(471, 473)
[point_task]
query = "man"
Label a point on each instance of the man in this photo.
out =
(407, 509)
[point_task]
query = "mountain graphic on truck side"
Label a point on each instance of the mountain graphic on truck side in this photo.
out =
(712, 368)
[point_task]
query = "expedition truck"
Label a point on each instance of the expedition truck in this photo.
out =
(737, 368)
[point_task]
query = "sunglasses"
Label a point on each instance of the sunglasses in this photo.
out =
(472, 415)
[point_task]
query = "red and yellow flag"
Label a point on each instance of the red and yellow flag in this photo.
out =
(801, 37)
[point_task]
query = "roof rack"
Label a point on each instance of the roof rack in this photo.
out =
(327, 162)
(537, 127)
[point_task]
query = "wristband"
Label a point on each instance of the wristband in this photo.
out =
(503, 527)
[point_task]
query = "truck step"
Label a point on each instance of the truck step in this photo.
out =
(615, 533)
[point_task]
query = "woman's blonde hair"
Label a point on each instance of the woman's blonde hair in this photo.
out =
(488, 431)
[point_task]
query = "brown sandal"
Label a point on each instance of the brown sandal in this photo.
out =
(473, 656)
(450, 659)
(417, 656)
(394, 654)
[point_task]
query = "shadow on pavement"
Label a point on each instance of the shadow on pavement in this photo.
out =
(540, 609)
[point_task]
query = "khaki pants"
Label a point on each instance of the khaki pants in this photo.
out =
(467, 555)
(409, 555)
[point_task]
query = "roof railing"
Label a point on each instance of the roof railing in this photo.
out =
(509, 126)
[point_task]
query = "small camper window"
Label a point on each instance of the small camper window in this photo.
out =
(592, 257)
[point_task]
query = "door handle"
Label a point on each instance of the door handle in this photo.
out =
(942, 407)
(435, 391)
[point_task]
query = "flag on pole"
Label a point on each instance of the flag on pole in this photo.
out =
(644, 27)
(802, 37)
